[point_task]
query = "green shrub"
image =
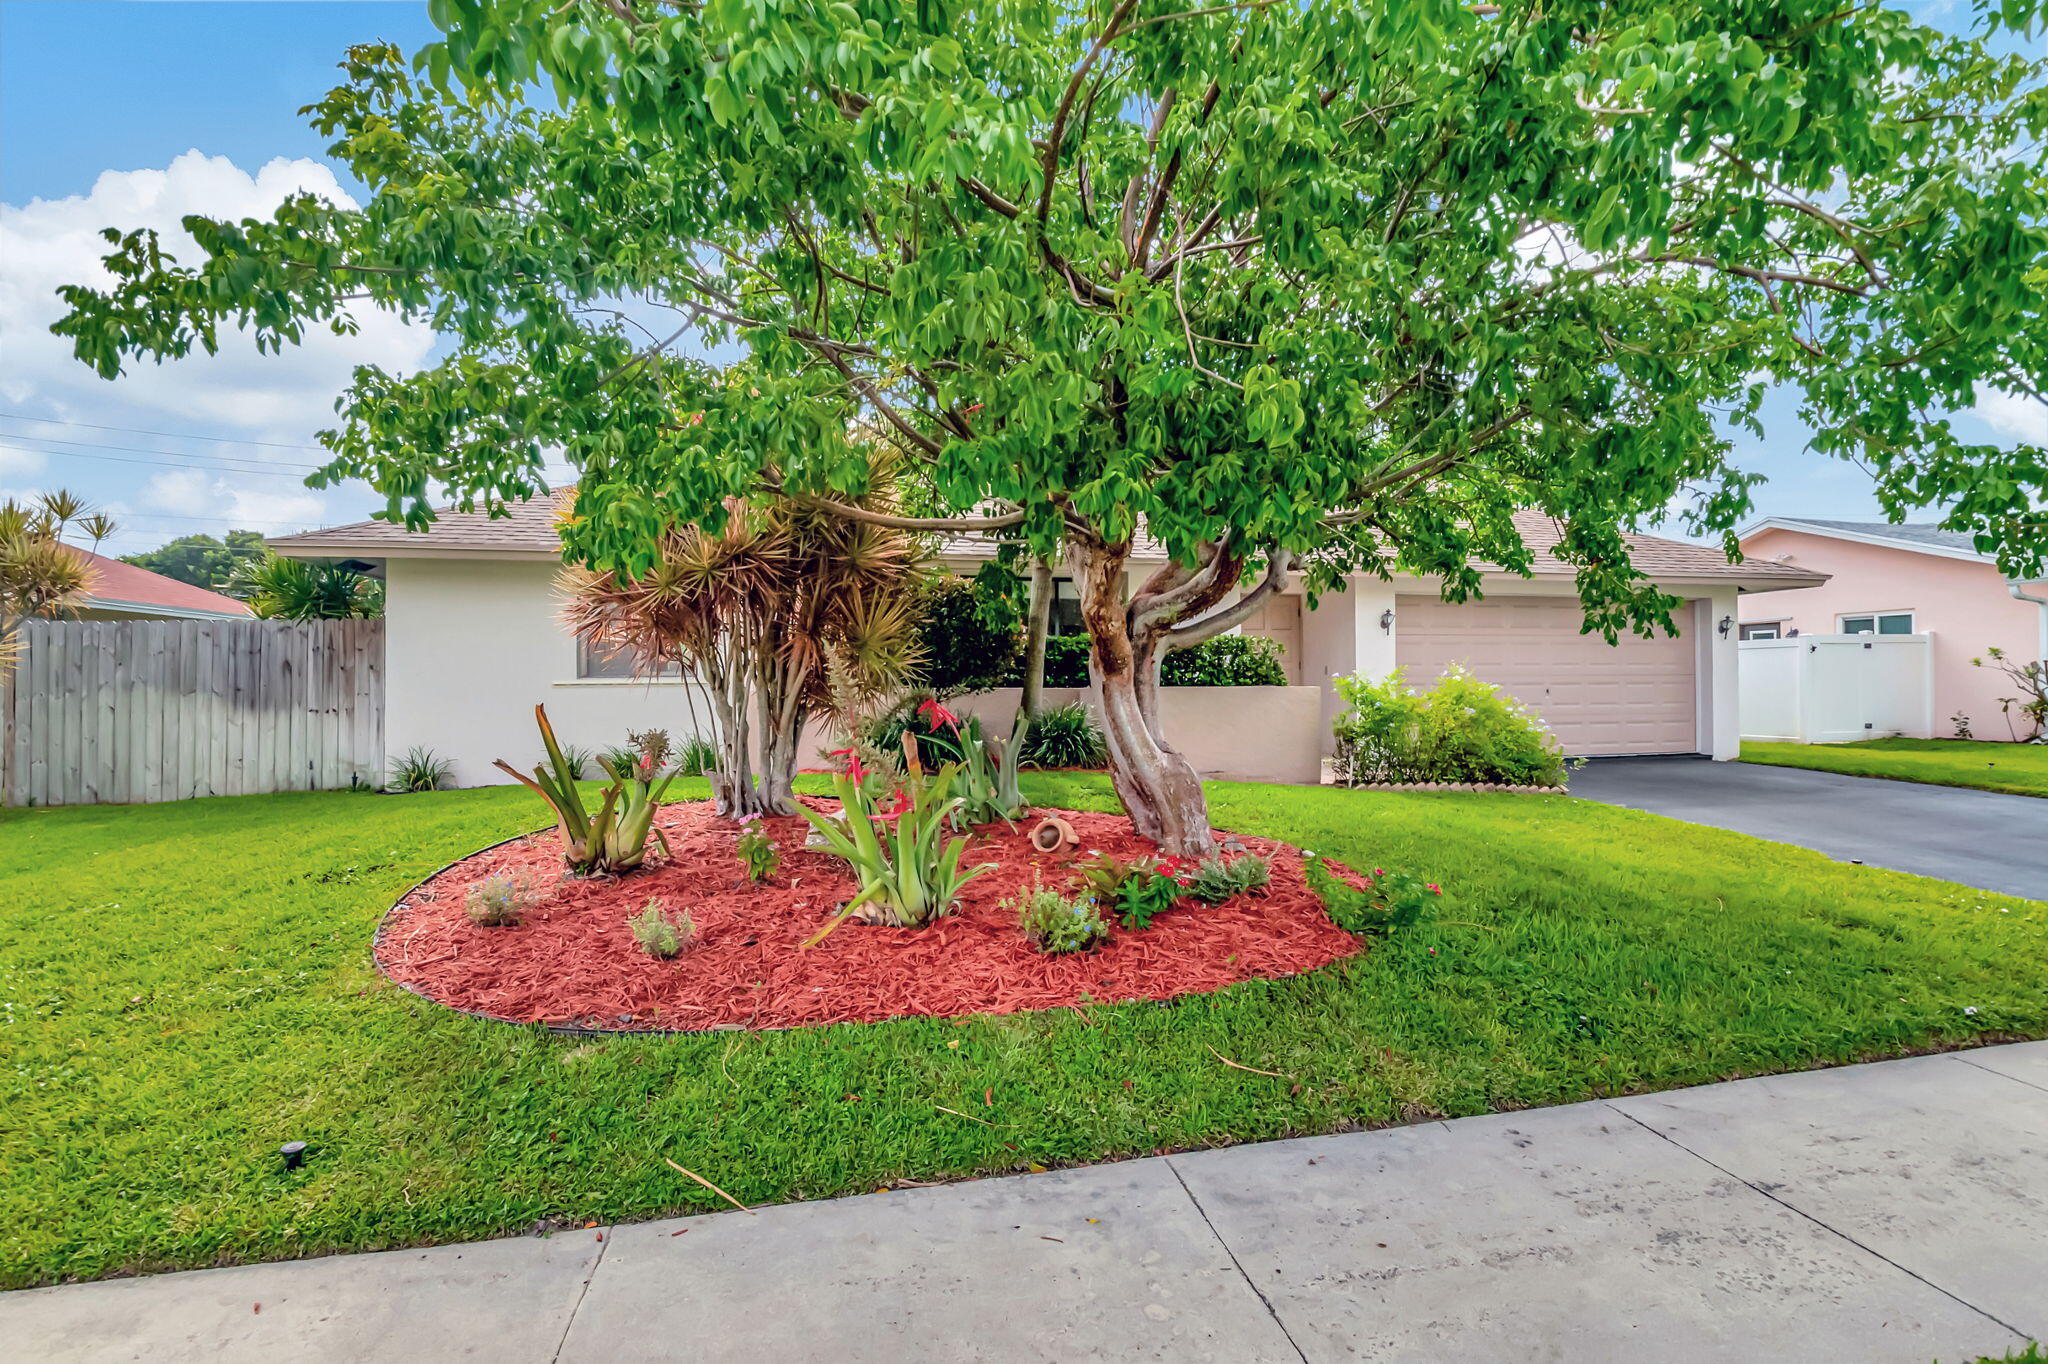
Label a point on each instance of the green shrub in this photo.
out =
(1216, 880)
(1055, 923)
(661, 933)
(1461, 730)
(1390, 900)
(502, 900)
(1065, 736)
(578, 761)
(1066, 663)
(1225, 661)
(420, 769)
(972, 634)
(695, 756)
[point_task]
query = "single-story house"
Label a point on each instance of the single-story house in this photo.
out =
(1883, 579)
(124, 592)
(474, 641)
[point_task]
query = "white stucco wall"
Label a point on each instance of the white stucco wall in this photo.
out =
(472, 646)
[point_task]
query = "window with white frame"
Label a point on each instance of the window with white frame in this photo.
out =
(594, 663)
(1877, 623)
(1765, 629)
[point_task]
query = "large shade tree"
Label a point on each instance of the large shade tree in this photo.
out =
(1290, 288)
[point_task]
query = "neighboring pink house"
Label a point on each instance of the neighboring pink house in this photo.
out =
(1900, 580)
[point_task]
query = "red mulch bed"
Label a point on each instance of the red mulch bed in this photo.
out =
(574, 962)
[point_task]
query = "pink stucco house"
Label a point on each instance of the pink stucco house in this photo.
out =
(1889, 579)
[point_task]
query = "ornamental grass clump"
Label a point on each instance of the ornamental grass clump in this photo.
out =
(502, 900)
(661, 932)
(1055, 923)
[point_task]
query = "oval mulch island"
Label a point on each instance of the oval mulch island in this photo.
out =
(573, 962)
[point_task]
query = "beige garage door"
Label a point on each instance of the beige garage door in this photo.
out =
(1637, 696)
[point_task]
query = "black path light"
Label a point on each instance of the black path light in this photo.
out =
(294, 1153)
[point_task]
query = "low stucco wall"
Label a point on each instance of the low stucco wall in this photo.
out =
(1269, 734)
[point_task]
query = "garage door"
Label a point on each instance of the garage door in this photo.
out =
(1637, 696)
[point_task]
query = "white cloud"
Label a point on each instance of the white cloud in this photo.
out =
(196, 494)
(51, 242)
(18, 463)
(2012, 414)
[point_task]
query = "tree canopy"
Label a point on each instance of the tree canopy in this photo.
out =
(1327, 288)
(202, 560)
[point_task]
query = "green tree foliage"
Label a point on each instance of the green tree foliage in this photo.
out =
(1312, 288)
(277, 588)
(201, 560)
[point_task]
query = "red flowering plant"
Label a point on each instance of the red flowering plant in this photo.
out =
(1139, 890)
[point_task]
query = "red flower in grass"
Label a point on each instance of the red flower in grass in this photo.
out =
(938, 715)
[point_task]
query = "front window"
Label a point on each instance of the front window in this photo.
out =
(1761, 630)
(595, 662)
(1879, 623)
(1064, 615)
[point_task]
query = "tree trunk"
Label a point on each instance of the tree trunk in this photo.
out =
(1160, 788)
(1035, 626)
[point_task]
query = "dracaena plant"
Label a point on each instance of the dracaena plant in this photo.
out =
(1310, 289)
(613, 837)
(908, 870)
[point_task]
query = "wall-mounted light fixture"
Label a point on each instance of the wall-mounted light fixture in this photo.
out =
(1727, 624)
(1387, 622)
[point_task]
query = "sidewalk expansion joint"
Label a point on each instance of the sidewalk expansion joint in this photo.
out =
(1832, 1231)
(604, 1244)
(1257, 1292)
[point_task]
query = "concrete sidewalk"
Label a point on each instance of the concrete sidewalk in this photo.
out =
(1896, 1211)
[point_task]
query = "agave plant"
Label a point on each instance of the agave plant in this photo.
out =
(909, 871)
(614, 837)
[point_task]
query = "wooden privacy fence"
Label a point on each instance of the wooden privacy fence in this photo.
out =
(125, 711)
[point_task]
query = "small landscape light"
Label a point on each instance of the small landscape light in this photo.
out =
(294, 1153)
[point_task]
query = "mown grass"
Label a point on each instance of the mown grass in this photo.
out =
(2021, 769)
(183, 987)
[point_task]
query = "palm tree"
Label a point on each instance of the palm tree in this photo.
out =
(306, 589)
(41, 576)
(754, 611)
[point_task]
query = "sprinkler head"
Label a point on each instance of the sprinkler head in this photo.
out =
(294, 1153)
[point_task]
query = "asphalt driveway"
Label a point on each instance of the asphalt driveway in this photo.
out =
(1976, 838)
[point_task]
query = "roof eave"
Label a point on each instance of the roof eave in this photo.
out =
(1793, 524)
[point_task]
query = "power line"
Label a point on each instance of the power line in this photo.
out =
(174, 454)
(171, 435)
(272, 472)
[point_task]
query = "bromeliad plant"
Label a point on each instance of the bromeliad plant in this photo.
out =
(988, 767)
(614, 837)
(896, 843)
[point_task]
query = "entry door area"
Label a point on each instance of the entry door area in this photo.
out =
(1279, 619)
(1637, 696)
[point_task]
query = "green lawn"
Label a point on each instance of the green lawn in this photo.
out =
(2021, 769)
(185, 986)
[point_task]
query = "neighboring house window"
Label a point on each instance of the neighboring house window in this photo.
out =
(1879, 623)
(1065, 616)
(592, 662)
(1762, 630)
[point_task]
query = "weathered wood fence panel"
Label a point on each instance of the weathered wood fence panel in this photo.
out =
(130, 711)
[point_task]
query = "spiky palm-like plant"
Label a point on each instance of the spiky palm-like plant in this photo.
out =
(751, 611)
(277, 588)
(41, 576)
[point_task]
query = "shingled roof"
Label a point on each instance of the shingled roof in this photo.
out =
(527, 530)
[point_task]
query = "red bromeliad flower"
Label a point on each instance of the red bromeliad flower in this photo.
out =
(853, 766)
(938, 715)
(897, 808)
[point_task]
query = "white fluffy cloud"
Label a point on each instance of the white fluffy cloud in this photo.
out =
(2012, 414)
(237, 393)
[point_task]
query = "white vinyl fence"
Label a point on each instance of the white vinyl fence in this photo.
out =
(1836, 689)
(129, 711)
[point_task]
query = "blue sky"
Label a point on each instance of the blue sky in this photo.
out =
(129, 113)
